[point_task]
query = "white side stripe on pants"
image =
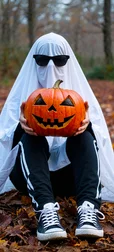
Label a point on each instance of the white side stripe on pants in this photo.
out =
(26, 173)
(29, 185)
(98, 194)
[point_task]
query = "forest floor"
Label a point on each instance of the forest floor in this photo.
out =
(17, 220)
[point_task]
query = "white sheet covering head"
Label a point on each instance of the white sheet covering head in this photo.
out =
(31, 77)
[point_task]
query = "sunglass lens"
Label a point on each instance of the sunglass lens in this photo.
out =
(41, 60)
(60, 60)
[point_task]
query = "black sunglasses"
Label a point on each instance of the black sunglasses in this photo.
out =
(43, 60)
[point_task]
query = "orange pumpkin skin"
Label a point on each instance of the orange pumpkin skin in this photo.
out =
(54, 111)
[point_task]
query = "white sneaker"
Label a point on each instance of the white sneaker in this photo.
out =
(49, 227)
(88, 221)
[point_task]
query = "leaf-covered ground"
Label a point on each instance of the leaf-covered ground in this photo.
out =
(17, 220)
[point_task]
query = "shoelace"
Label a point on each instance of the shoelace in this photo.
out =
(49, 216)
(90, 215)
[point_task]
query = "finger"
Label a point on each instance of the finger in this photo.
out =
(85, 121)
(86, 105)
(80, 132)
(26, 128)
(31, 133)
(22, 106)
(83, 127)
(22, 120)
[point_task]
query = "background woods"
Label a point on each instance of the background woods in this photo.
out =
(87, 25)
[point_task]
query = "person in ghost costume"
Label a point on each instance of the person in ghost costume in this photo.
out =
(44, 167)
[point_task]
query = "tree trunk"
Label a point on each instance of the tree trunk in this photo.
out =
(31, 21)
(5, 26)
(107, 32)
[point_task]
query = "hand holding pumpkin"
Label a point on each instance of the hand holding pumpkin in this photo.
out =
(23, 122)
(85, 122)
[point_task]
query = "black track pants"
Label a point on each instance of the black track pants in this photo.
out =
(31, 174)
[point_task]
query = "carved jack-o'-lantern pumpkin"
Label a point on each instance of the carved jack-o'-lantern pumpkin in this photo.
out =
(54, 111)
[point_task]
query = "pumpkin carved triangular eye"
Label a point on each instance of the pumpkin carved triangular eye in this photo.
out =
(67, 102)
(40, 101)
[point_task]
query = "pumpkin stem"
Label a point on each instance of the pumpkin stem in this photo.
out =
(57, 84)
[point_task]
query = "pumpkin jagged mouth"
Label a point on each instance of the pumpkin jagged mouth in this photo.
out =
(54, 124)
